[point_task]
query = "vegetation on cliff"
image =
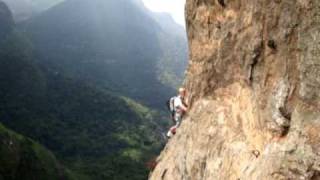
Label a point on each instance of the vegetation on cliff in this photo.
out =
(22, 158)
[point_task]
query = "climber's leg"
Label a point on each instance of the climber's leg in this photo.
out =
(178, 118)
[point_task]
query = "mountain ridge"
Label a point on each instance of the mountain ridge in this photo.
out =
(24, 9)
(99, 43)
(95, 133)
(20, 157)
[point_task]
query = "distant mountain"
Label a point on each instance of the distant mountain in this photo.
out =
(20, 157)
(116, 44)
(96, 133)
(6, 21)
(88, 80)
(168, 24)
(174, 45)
(24, 9)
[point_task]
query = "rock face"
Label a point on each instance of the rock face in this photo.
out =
(254, 83)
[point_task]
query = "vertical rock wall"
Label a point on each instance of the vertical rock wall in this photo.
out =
(254, 87)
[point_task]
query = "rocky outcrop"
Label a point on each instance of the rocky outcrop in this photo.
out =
(254, 83)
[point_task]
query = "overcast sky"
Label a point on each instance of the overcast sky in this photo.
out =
(174, 7)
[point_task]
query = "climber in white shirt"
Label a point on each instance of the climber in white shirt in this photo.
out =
(180, 108)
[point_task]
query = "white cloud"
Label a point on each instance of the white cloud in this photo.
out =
(174, 7)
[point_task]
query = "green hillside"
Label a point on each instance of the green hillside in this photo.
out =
(88, 80)
(22, 158)
(89, 129)
(94, 132)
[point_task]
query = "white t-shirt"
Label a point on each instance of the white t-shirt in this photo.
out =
(177, 103)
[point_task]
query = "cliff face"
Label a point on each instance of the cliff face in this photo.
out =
(254, 83)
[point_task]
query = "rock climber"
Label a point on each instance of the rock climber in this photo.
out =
(179, 108)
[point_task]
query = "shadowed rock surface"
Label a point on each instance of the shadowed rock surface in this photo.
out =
(254, 81)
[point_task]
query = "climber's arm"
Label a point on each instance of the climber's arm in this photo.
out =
(183, 107)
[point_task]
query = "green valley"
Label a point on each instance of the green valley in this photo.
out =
(90, 89)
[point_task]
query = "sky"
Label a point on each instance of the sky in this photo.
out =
(174, 7)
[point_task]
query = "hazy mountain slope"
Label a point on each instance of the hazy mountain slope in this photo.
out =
(95, 133)
(174, 48)
(24, 9)
(80, 123)
(168, 24)
(6, 21)
(113, 44)
(20, 157)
